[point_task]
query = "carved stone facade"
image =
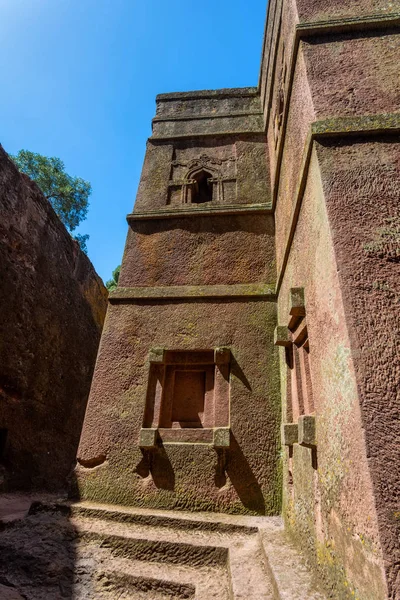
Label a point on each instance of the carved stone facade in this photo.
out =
(262, 211)
(219, 176)
(199, 315)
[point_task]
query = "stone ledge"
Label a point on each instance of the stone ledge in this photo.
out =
(289, 434)
(361, 125)
(222, 437)
(150, 438)
(188, 117)
(220, 93)
(282, 336)
(347, 24)
(307, 431)
(201, 212)
(211, 134)
(255, 290)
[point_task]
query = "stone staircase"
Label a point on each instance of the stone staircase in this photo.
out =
(88, 551)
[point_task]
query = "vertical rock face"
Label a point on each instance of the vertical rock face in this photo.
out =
(52, 307)
(329, 71)
(184, 408)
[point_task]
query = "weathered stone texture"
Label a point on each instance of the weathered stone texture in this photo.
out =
(207, 112)
(320, 10)
(329, 504)
(200, 251)
(241, 162)
(336, 61)
(366, 237)
(185, 476)
(301, 115)
(351, 75)
(52, 306)
(217, 266)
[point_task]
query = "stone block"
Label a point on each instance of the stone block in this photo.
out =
(282, 336)
(148, 438)
(222, 356)
(222, 437)
(307, 432)
(289, 434)
(296, 302)
(157, 355)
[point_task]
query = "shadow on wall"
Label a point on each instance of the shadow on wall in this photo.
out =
(159, 466)
(230, 464)
(52, 307)
(243, 480)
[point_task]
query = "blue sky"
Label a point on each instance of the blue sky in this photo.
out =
(79, 80)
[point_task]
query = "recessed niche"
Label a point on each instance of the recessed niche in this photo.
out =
(188, 391)
(188, 398)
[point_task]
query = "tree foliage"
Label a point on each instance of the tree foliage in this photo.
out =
(69, 196)
(111, 284)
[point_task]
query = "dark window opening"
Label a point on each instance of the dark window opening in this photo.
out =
(3, 441)
(202, 188)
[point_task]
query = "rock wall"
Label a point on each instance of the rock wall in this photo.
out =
(329, 87)
(52, 308)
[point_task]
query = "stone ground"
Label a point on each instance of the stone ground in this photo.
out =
(52, 550)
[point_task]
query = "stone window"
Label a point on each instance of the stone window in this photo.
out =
(202, 180)
(301, 377)
(202, 188)
(187, 395)
(294, 338)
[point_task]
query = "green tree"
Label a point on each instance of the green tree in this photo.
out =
(111, 284)
(69, 196)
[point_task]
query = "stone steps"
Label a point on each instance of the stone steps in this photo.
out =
(239, 555)
(137, 587)
(118, 553)
(168, 519)
(199, 584)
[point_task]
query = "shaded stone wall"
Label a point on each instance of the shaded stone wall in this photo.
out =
(52, 307)
(328, 73)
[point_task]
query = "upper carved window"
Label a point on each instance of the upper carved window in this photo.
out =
(202, 187)
(202, 180)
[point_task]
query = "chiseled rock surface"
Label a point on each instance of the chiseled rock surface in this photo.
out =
(85, 550)
(52, 307)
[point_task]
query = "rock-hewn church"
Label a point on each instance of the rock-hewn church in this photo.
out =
(244, 409)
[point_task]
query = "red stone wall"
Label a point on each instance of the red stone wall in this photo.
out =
(320, 10)
(52, 307)
(215, 258)
(183, 476)
(201, 251)
(328, 72)
(337, 238)
(366, 236)
(330, 505)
